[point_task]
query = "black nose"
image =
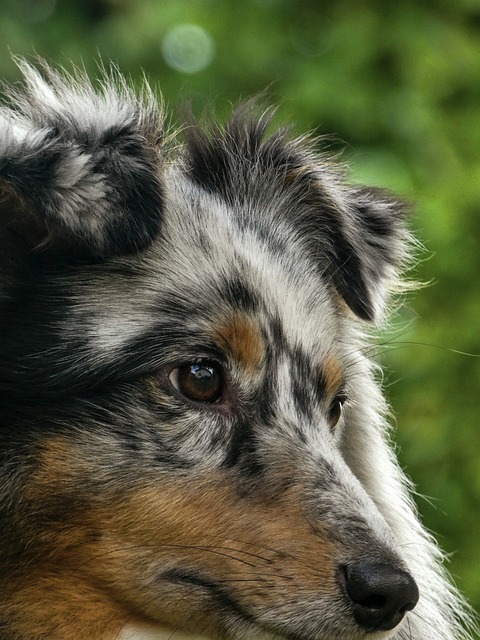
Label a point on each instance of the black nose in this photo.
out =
(381, 594)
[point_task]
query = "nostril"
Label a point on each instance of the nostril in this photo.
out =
(374, 602)
(380, 594)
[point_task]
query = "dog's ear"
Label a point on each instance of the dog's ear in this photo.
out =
(79, 169)
(356, 235)
(368, 248)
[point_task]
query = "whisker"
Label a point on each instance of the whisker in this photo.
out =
(262, 546)
(217, 550)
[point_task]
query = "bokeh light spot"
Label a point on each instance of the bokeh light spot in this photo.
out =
(188, 48)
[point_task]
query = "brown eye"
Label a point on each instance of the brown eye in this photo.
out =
(336, 408)
(199, 381)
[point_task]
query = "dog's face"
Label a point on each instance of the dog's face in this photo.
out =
(190, 427)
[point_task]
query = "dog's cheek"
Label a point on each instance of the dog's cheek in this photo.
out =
(57, 599)
(195, 546)
(183, 552)
(46, 552)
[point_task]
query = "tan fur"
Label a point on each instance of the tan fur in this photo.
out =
(240, 337)
(333, 374)
(103, 565)
(76, 609)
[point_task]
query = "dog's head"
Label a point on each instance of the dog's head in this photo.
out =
(191, 434)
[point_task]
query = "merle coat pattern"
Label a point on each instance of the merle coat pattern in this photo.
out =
(192, 438)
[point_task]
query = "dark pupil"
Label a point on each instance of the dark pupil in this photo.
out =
(200, 382)
(335, 411)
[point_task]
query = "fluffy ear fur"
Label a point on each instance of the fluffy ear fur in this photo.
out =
(357, 235)
(78, 168)
(369, 246)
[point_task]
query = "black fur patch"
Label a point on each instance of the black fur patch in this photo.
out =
(239, 295)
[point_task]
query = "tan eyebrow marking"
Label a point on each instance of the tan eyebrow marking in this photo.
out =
(240, 336)
(333, 375)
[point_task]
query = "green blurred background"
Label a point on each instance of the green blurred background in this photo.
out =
(398, 83)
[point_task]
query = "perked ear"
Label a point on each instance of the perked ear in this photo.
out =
(370, 247)
(78, 168)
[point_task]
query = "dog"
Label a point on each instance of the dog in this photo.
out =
(193, 437)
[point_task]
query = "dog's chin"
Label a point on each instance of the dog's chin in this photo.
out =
(148, 631)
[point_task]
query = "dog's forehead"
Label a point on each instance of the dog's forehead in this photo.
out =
(213, 267)
(209, 242)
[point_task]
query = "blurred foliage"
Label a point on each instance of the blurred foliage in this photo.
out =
(399, 82)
